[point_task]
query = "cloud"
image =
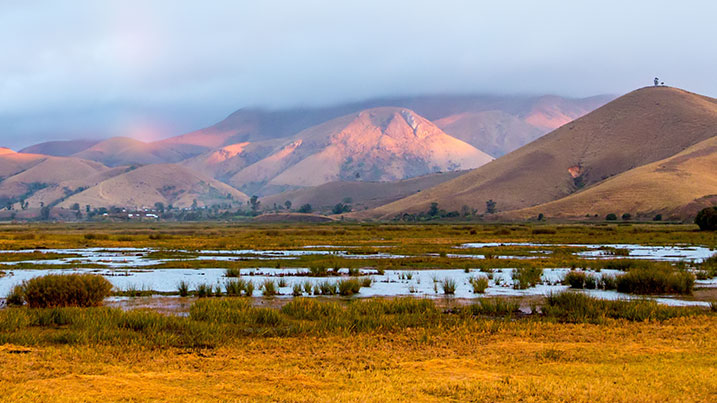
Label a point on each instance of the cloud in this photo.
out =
(85, 66)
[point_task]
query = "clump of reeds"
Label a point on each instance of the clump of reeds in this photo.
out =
(658, 280)
(526, 277)
(183, 288)
(268, 288)
(449, 286)
(55, 290)
(232, 272)
(494, 307)
(479, 284)
(580, 308)
(349, 287)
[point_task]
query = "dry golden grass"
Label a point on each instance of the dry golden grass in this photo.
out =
(665, 186)
(674, 360)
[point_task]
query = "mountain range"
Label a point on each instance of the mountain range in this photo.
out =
(649, 152)
(367, 145)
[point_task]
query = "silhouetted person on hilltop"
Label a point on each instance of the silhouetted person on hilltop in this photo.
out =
(657, 81)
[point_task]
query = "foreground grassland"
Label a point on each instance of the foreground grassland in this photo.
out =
(569, 347)
(674, 360)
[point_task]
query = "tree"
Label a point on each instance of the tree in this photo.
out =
(611, 217)
(707, 219)
(254, 202)
(45, 213)
(287, 204)
(341, 208)
(626, 217)
(433, 210)
(306, 208)
(490, 207)
(159, 206)
(75, 207)
(541, 217)
(88, 208)
(657, 218)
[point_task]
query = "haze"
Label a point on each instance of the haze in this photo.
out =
(153, 69)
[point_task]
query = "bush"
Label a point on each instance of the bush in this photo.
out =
(449, 286)
(479, 284)
(232, 272)
(707, 219)
(268, 288)
(526, 277)
(183, 288)
(611, 217)
(349, 287)
(575, 279)
(16, 296)
(56, 290)
(658, 280)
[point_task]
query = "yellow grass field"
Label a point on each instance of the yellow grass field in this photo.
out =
(675, 360)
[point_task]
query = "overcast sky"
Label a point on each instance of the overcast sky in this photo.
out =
(149, 69)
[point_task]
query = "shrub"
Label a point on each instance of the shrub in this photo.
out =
(709, 266)
(611, 217)
(325, 288)
(249, 289)
(658, 280)
(707, 219)
(626, 217)
(479, 284)
(449, 286)
(608, 282)
(526, 277)
(657, 217)
(349, 287)
(16, 296)
(183, 288)
(590, 282)
(204, 290)
(575, 279)
(307, 287)
(232, 272)
(268, 288)
(55, 290)
(235, 287)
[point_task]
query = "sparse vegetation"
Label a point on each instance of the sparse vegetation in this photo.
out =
(526, 277)
(449, 286)
(479, 284)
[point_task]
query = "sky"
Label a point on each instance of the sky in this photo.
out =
(151, 69)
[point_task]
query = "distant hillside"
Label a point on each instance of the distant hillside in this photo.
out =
(360, 195)
(60, 148)
(165, 183)
(381, 144)
(118, 151)
(644, 126)
(678, 186)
